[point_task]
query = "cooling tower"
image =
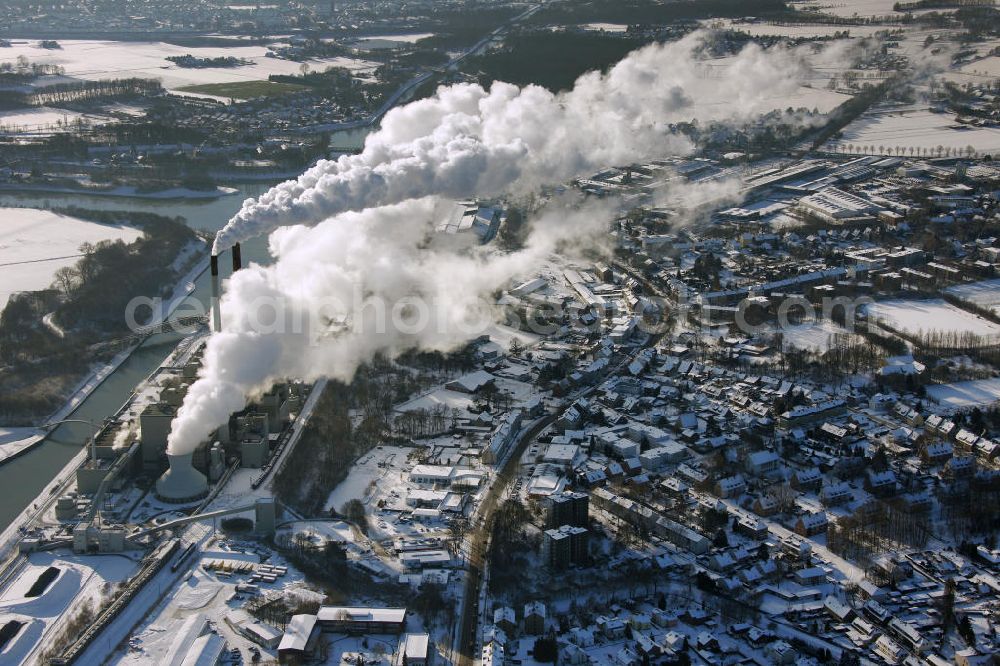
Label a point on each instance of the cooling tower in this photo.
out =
(182, 482)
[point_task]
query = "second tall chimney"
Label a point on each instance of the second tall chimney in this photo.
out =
(237, 258)
(216, 312)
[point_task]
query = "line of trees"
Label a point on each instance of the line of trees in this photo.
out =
(24, 71)
(64, 93)
(874, 530)
(941, 340)
(901, 151)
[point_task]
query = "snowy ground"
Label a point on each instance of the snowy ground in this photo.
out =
(126, 191)
(376, 466)
(915, 127)
(797, 30)
(815, 337)
(34, 244)
(440, 396)
(966, 394)
(979, 72)
(985, 294)
(390, 41)
(935, 315)
(606, 27)
(849, 8)
(43, 118)
(81, 580)
(100, 60)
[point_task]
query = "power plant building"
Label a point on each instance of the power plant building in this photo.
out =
(254, 452)
(154, 426)
(265, 516)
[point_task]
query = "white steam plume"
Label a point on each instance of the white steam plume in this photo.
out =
(463, 142)
(466, 141)
(378, 267)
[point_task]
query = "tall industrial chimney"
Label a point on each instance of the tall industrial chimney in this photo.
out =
(216, 311)
(237, 258)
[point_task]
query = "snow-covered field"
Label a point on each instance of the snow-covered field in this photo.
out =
(935, 315)
(985, 294)
(978, 72)
(815, 337)
(398, 39)
(915, 127)
(43, 118)
(849, 8)
(966, 394)
(80, 581)
(606, 27)
(370, 468)
(100, 60)
(34, 244)
(439, 396)
(797, 30)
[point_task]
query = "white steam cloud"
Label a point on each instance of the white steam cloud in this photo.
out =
(368, 278)
(466, 141)
(353, 286)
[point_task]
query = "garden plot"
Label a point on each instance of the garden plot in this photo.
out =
(916, 128)
(102, 60)
(34, 244)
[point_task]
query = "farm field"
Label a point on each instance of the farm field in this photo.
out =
(849, 8)
(931, 316)
(985, 294)
(42, 118)
(243, 89)
(34, 244)
(983, 71)
(101, 60)
(964, 395)
(794, 30)
(917, 128)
